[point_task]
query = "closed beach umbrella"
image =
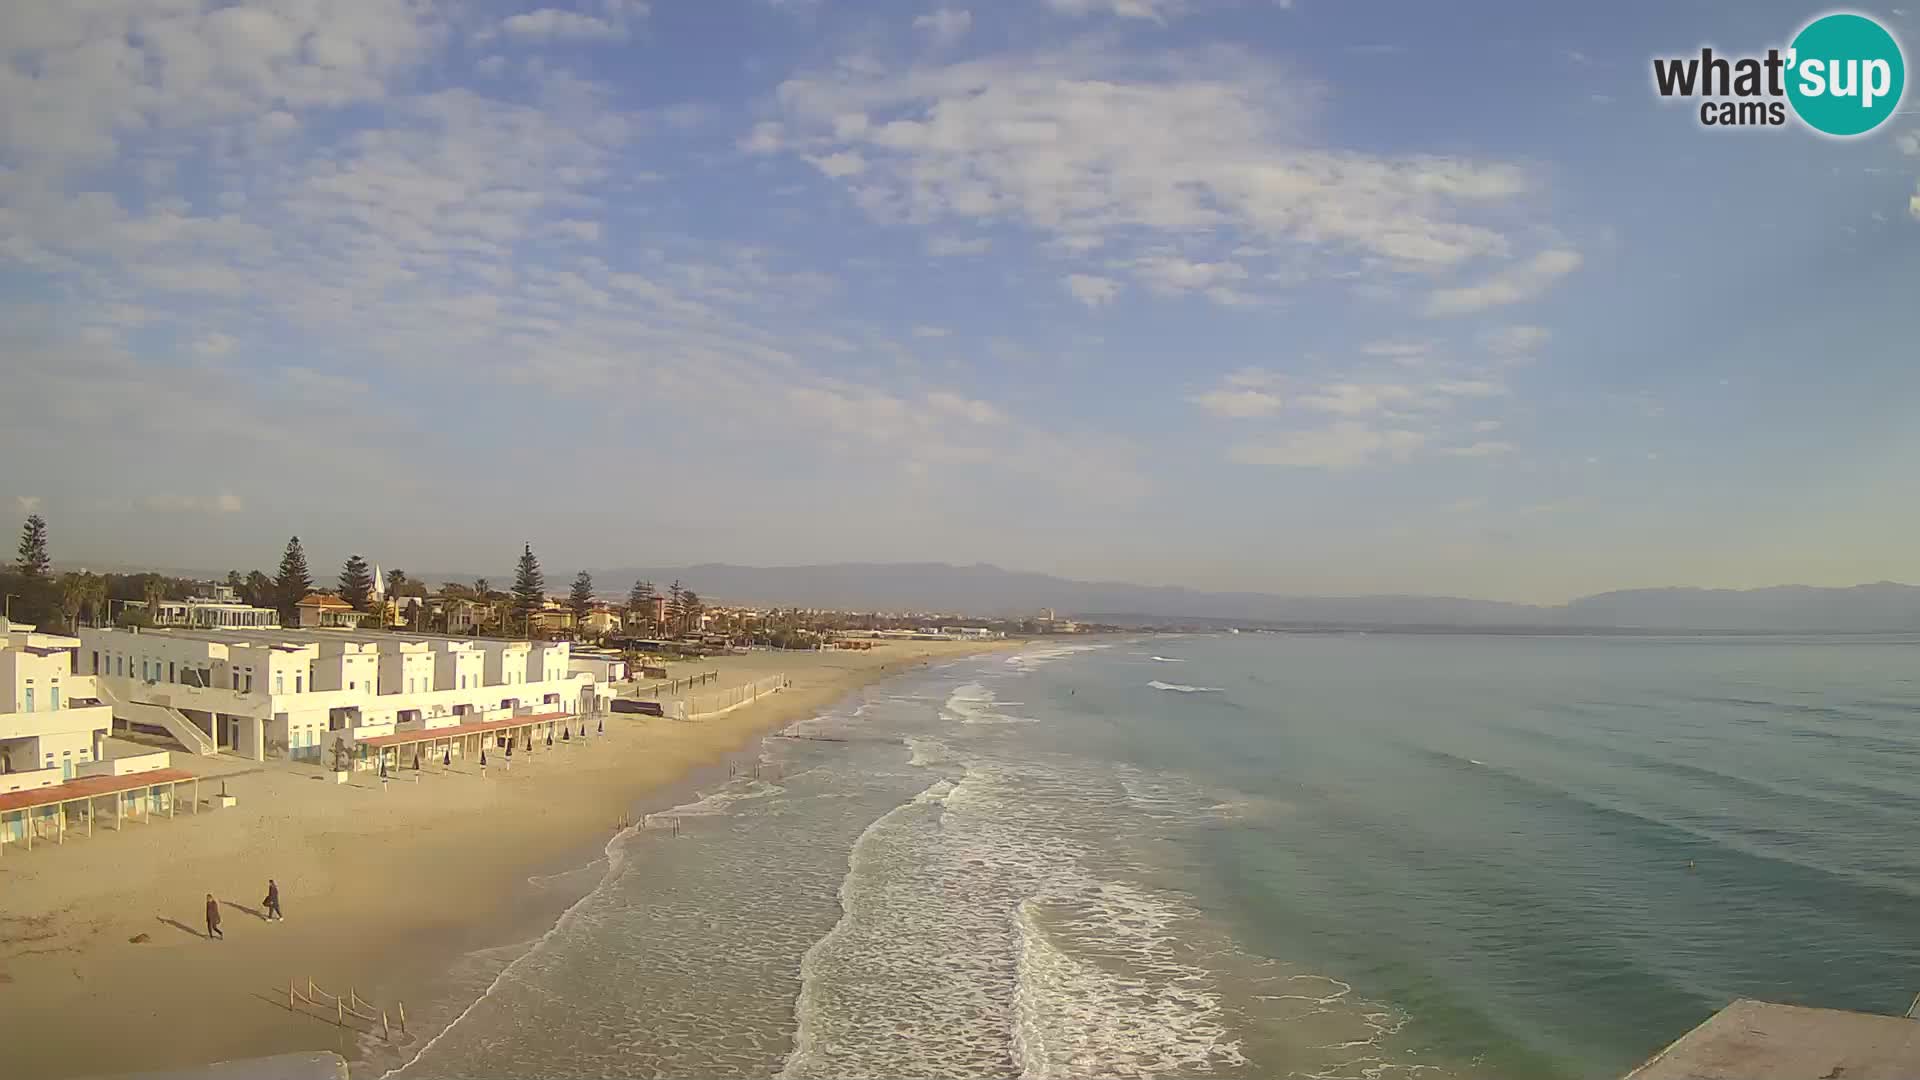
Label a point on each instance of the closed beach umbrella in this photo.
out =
(566, 734)
(602, 728)
(446, 756)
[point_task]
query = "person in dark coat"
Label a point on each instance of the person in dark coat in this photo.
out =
(213, 919)
(273, 902)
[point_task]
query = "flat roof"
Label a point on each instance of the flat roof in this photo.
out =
(307, 635)
(89, 787)
(1758, 1040)
(478, 727)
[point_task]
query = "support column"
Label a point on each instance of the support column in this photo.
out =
(259, 744)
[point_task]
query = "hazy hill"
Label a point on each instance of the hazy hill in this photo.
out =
(1884, 605)
(989, 590)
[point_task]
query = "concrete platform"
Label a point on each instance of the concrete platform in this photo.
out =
(311, 1066)
(1754, 1040)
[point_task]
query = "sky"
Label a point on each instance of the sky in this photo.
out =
(1321, 296)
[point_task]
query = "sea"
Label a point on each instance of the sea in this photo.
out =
(1351, 856)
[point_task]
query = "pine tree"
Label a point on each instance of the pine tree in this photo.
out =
(356, 583)
(581, 599)
(34, 564)
(690, 609)
(294, 582)
(640, 605)
(675, 612)
(529, 589)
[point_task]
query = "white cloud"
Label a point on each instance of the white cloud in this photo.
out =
(555, 24)
(1398, 350)
(215, 344)
(1486, 425)
(1172, 274)
(579, 229)
(1360, 399)
(767, 137)
(1511, 286)
(964, 408)
(1512, 340)
(930, 331)
(1254, 377)
(1484, 448)
(1092, 290)
(1172, 167)
(844, 163)
(1908, 142)
(1344, 445)
(1157, 10)
(75, 77)
(945, 25)
(945, 246)
(1239, 404)
(223, 503)
(1913, 207)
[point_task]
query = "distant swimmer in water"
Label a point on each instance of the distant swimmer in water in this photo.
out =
(1689, 864)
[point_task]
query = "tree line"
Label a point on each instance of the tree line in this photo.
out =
(33, 594)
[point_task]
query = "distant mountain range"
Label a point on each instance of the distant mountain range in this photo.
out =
(988, 590)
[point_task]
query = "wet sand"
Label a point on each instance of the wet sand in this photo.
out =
(383, 890)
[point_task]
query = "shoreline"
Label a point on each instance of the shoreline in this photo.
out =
(386, 890)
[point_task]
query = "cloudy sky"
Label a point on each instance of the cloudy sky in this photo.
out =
(1320, 296)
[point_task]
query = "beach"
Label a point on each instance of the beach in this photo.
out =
(383, 886)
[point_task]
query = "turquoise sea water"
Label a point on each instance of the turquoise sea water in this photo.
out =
(1253, 855)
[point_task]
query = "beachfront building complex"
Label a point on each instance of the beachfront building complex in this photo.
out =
(299, 693)
(50, 723)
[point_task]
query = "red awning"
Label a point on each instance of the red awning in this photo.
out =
(89, 787)
(478, 727)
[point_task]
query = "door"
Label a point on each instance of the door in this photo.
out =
(66, 769)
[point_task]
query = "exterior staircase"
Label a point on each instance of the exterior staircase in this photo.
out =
(172, 721)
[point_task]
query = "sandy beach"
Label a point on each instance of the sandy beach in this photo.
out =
(383, 889)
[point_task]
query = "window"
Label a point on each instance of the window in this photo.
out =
(296, 684)
(29, 705)
(53, 699)
(279, 682)
(170, 677)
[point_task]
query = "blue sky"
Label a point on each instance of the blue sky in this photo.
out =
(1306, 297)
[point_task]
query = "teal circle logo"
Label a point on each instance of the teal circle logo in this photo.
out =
(1845, 74)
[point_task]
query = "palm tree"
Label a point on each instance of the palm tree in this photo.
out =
(76, 589)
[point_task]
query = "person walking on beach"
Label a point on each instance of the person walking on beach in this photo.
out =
(272, 902)
(213, 919)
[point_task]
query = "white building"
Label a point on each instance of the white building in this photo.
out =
(50, 723)
(295, 693)
(327, 610)
(204, 613)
